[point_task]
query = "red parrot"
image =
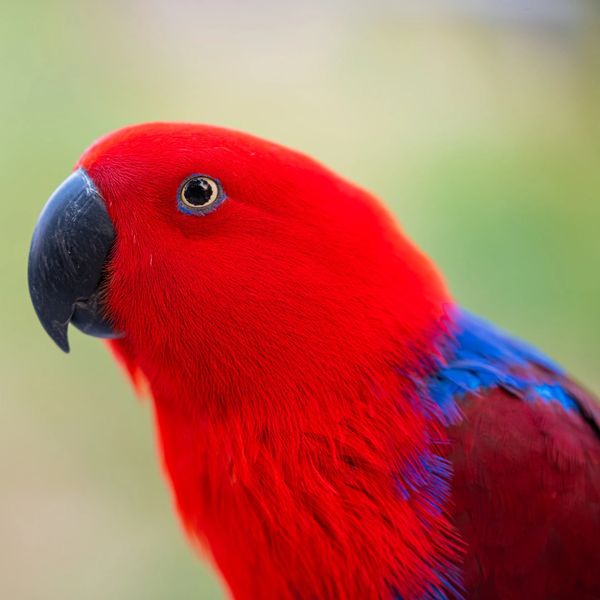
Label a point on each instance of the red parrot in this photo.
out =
(332, 424)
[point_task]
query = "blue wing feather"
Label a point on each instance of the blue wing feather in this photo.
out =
(482, 357)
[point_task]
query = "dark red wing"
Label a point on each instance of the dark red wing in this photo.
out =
(526, 496)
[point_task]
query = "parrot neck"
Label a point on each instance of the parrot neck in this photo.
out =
(303, 450)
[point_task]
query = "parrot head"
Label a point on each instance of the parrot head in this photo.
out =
(198, 243)
(280, 318)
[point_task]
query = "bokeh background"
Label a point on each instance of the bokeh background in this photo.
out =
(478, 122)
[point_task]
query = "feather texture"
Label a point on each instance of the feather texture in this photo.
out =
(526, 468)
(332, 426)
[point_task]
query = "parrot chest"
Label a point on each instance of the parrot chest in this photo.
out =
(296, 520)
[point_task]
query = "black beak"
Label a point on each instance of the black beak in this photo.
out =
(71, 244)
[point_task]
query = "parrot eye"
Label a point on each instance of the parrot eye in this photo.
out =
(199, 194)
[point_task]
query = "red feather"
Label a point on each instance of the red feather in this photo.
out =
(526, 492)
(283, 445)
(285, 338)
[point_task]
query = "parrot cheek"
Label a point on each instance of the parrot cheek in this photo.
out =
(71, 244)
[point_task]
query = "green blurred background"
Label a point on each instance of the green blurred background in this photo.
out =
(477, 121)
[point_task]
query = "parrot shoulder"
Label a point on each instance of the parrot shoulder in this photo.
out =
(525, 457)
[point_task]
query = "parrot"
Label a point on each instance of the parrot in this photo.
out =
(331, 422)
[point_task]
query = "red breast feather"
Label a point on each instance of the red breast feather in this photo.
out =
(280, 336)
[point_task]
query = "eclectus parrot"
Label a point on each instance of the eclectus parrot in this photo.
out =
(332, 424)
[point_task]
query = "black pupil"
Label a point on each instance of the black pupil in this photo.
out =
(198, 192)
